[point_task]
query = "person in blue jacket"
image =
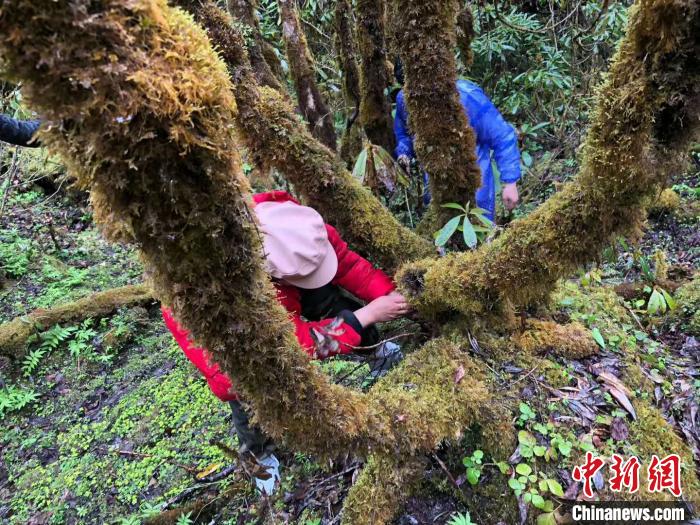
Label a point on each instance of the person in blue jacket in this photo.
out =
(19, 132)
(493, 135)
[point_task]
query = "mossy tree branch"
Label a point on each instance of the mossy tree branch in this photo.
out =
(301, 67)
(14, 334)
(258, 47)
(276, 138)
(375, 111)
(465, 34)
(646, 111)
(424, 33)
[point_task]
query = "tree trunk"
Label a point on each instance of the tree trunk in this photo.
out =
(301, 66)
(445, 143)
(245, 12)
(375, 111)
(351, 141)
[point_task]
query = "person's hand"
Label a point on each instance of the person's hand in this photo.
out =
(382, 309)
(405, 163)
(510, 196)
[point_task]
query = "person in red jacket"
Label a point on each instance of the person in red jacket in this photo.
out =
(311, 268)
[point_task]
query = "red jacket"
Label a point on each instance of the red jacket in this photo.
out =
(355, 274)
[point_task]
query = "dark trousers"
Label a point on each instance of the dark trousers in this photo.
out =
(322, 303)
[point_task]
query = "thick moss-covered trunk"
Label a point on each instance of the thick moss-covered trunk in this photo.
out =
(375, 111)
(276, 138)
(258, 48)
(351, 141)
(646, 110)
(424, 33)
(301, 67)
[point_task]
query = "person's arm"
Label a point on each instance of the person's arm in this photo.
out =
(19, 132)
(492, 129)
(355, 273)
(404, 140)
(325, 338)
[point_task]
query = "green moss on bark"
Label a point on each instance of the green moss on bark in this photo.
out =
(351, 141)
(260, 51)
(375, 111)
(465, 35)
(424, 33)
(301, 67)
(646, 111)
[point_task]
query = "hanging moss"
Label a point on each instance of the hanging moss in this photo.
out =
(14, 334)
(301, 67)
(258, 48)
(375, 111)
(465, 35)
(424, 33)
(380, 489)
(351, 141)
(654, 74)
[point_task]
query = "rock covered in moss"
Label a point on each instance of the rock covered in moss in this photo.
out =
(573, 340)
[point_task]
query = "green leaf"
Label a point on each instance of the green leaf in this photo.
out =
(523, 469)
(527, 159)
(527, 498)
(515, 484)
(478, 212)
(358, 171)
(503, 467)
(469, 233)
(548, 506)
(478, 454)
(598, 339)
(447, 231)
(670, 301)
(525, 438)
(539, 451)
(454, 206)
(555, 488)
(538, 501)
(473, 476)
(546, 519)
(565, 448)
(656, 303)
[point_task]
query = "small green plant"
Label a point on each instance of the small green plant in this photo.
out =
(473, 464)
(15, 254)
(461, 519)
(51, 339)
(472, 222)
(184, 519)
(80, 345)
(13, 398)
(526, 414)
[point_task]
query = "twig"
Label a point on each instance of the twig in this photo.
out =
(525, 376)
(444, 468)
(380, 343)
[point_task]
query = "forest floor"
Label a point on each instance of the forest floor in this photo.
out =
(107, 422)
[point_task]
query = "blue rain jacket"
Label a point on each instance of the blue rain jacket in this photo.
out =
(18, 132)
(493, 133)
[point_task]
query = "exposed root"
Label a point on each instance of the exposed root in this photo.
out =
(14, 334)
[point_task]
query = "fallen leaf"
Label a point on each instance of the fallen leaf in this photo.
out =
(619, 430)
(209, 470)
(622, 398)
